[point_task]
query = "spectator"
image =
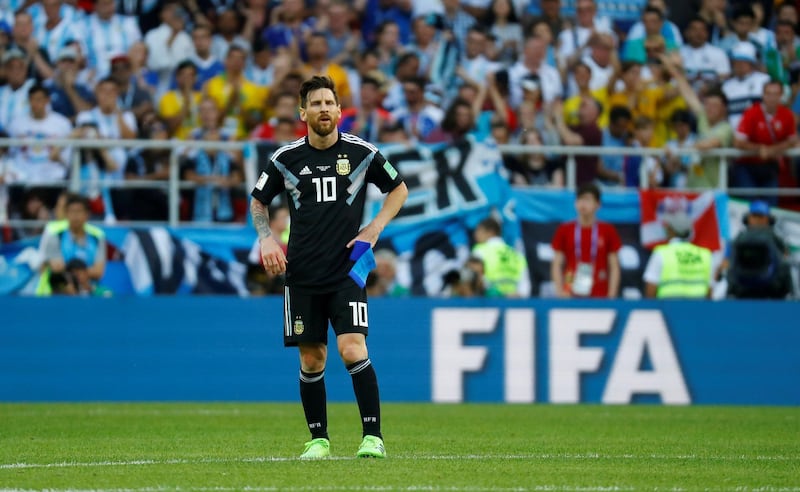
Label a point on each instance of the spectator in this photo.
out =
(713, 129)
(388, 47)
(613, 166)
(260, 67)
(382, 281)
(319, 64)
(427, 41)
(367, 120)
(642, 99)
(14, 94)
(747, 29)
(506, 269)
(287, 29)
(503, 22)
(653, 24)
(229, 27)
(535, 168)
(758, 266)
(788, 49)
(178, 107)
(419, 117)
(573, 41)
(677, 167)
(532, 62)
(474, 66)
(107, 121)
(65, 240)
(42, 163)
(108, 33)
(585, 260)
(284, 107)
(149, 164)
(133, 96)
(344, 43)
(582, 79)
(68, 96)
(678, 269)
(145, 78)
(407, 68)
(768, 128)
(585, 134)
(470, 280)
(208, 65)
(216, 172)
(600, 60)
(24, 40)
(458, 121)
(241, 102)
(168, 44)
(550, 14)
(55, 32)
(457, 20)
(712, 12)
(705, 65)
(648, 168)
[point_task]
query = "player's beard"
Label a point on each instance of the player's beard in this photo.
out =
(324, 128)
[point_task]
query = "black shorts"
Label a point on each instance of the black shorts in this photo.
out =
(306, 315)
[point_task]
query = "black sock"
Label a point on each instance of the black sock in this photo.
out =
(314, 398)
(365, 386)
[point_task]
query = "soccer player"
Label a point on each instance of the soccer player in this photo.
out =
(324, 175)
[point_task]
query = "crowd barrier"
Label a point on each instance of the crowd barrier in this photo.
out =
(447, 351)
(174, 184)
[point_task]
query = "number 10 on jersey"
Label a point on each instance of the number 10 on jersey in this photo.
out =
(326, 188)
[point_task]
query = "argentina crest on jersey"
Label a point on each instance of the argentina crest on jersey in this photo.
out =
(342, 165)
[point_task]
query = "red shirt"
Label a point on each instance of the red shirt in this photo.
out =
(757, 127)
(607, 242)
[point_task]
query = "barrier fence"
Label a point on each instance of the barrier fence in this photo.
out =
(174, 184)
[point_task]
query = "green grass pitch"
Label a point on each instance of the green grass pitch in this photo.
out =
(471, 447)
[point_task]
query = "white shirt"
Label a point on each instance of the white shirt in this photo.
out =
(706, 62)
(106, 38)
(549, 80)
(34, 162)
(163, 59)
(599, 80)
(741, 93)
(572, 39)
(108, 127)
(56, 38)
(13, 103)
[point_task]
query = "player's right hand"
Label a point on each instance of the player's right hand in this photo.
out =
(272, 256)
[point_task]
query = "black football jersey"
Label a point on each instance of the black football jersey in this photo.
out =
(326, 191)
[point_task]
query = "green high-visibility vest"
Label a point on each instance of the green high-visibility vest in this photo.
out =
(56, 228)
(685, 270)
(503, 266)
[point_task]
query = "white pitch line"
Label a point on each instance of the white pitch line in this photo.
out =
(415, 457)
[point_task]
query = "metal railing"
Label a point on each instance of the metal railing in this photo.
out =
(173, 185)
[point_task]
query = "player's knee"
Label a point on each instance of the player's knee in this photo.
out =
(312, 359)
(352, 352)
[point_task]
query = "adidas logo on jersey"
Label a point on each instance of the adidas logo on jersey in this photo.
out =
(305, 171)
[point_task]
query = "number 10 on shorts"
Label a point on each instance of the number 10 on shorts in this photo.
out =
(359, 313)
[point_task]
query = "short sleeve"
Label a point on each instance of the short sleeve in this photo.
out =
(652, 272)
(612, 239)
(383, 174)
(268, 185)
(559, 239)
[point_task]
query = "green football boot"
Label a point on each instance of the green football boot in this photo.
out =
(371, 447)
(317, 449)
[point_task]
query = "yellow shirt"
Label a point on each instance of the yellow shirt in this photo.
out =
(252, 100)
(573, 104)
(171, 105)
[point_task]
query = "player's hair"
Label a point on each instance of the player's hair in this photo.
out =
(315, 83)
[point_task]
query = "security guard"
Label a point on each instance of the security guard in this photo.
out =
(678, 269)
(505, 268)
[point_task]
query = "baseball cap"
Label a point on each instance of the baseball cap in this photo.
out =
(13, 53)
(680, 222)
(67, 53)
(744, 51)
(759, 207)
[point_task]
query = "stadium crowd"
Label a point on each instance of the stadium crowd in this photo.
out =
(655, 74)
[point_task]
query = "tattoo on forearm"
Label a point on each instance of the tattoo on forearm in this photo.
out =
(260, 219)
